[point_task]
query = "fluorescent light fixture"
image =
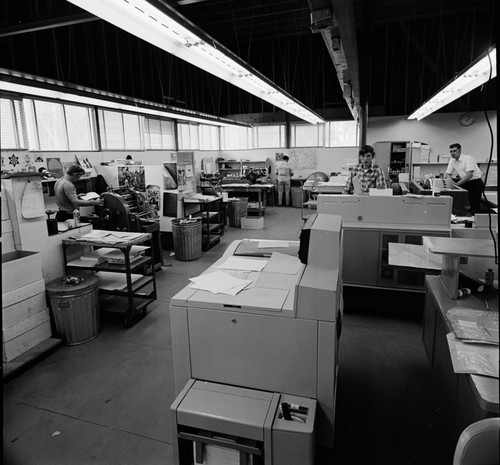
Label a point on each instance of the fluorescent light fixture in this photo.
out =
(34, 86)
(162, 26)
(480, 71)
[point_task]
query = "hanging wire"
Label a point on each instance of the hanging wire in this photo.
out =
(492, 138)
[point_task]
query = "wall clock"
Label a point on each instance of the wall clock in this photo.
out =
(467, 119)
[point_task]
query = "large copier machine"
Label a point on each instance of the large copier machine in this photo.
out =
(244, 362)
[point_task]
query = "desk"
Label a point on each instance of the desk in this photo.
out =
(259, 189)
(464, 398)
(131, 299)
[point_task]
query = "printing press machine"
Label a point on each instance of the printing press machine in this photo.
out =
(276, 339)
(127, 210)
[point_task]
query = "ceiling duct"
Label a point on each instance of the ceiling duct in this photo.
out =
(321, 19)
(334, 19)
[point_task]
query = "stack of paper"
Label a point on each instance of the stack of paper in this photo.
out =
(219, 282)
(478, 359)
(96, 256)
(476, 326)
(115, 281)
(474, 341)
(117, 256)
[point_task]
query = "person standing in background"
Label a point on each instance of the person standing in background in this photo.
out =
(271, 171)
(465, 173)
(284, 173)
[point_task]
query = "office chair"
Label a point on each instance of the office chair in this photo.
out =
(478, 443)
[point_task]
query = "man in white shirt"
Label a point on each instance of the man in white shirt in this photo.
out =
(465, 173)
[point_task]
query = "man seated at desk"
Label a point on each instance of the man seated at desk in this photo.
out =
(366, 174)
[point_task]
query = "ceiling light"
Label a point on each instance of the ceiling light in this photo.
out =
(165, 28)
(480, 71)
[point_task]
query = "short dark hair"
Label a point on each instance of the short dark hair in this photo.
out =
(367, 149)
(286, 158)
(456, 145)
(75, 169)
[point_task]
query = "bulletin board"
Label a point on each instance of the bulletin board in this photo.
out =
(307, 159)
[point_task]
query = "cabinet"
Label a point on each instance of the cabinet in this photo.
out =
(393, 157)
(129, 296)
(462, 398)
(212, 212)
(366, 259)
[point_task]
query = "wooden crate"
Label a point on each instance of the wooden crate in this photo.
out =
(19, 269)
(19, 311)
(21, 337)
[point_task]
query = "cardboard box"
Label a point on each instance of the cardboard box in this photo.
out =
(19, 311)
(22, 337)
(252, 223)
(20, 268)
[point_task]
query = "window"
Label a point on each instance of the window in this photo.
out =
(341, 134)
(13, 126)
(307, 135)
(50, 125)
(120, 131)
(236, 138)
(81, 127)
(159, 134)
(269, 136)
(133, 132)
(59, 126)
(188, 136)
(209, 137)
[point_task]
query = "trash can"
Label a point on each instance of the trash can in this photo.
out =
(186, 234)
(237, 209)
(298, 197)
(75, 308)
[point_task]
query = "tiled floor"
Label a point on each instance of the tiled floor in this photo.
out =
(107, 401)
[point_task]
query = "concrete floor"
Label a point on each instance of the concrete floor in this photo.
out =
(107, 401)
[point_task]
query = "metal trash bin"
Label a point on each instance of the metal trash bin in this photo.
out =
(187, 237)
(298, 197)
(75, 308)
(237, 209)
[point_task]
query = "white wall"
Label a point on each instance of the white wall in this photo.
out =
(439, 131)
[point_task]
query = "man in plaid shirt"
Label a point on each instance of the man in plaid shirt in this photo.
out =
(367, 173)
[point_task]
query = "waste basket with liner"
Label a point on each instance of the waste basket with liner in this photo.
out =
(187, 235)
(237, 209)
(74, 304)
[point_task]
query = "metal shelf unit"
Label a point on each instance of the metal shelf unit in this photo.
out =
(136, 296)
